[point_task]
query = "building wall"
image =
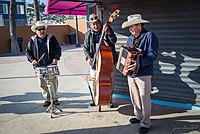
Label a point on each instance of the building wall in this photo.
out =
(60, 31)
(177, 68)
(82, 28)
(20, 14)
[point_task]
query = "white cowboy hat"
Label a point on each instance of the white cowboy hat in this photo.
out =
(38, 24)
(93, 18)
(133, 19)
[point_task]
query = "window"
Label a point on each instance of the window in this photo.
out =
(20, 9)
(3, 8)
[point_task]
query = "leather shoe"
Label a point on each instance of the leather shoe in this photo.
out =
(46, 103)
(56, 102)
(143, 130)
(92, 104)
(134, 121)
(111, 105)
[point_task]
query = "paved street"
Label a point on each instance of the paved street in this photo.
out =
(21, 110)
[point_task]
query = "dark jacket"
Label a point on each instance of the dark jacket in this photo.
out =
(54, 49)
(149, 46)
(89, 47)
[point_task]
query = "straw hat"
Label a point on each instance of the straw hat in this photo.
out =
(38, 24)
(93, 18)
(133, 19)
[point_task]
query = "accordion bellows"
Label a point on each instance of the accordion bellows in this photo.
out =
(127, 57)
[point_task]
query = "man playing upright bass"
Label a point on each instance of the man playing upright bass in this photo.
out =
(92, 43)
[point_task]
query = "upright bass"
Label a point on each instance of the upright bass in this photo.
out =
(103, 62)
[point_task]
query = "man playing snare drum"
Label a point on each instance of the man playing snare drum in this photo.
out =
(42, 50)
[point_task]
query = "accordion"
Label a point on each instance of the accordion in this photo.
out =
(128, 56)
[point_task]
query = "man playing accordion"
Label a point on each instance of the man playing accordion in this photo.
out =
(140, 82)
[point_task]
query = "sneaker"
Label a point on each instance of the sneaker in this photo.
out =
(46, 103)
(143, 130)
(134, 121)
(56, 102)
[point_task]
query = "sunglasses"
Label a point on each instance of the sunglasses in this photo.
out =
(40, 29)
(93, 18)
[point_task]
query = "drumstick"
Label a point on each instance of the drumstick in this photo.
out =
(41, 57)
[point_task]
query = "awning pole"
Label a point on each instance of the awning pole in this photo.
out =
(77, 42)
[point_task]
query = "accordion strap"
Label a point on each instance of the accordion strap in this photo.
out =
(135, 41)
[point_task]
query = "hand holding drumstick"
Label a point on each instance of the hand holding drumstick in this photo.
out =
(35, 62)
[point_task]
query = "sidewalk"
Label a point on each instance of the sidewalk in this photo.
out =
(21, 110)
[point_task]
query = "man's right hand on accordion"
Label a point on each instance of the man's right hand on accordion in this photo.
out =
(132, 66)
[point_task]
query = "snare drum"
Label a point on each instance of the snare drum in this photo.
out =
(51, 70)
(41, 71)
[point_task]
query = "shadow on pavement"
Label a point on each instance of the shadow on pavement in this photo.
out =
(24, 104)
(167, 120)
(101, 130)
(177, 125)
(165, 126)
